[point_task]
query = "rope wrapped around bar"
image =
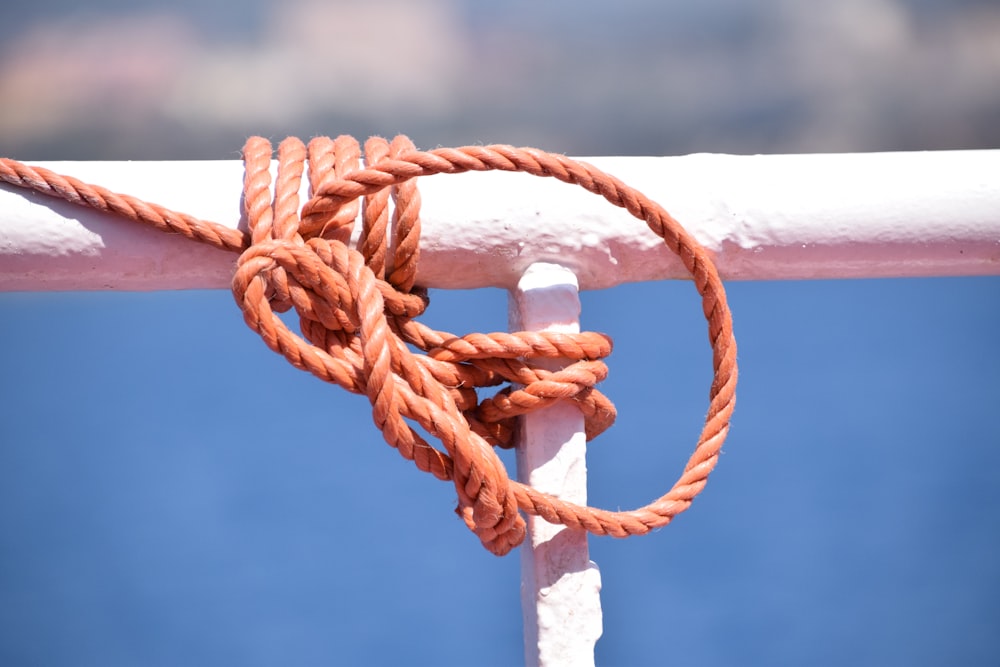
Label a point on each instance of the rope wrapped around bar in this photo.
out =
(357, 310)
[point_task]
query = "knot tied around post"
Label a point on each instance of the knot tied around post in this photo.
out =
(357, 309)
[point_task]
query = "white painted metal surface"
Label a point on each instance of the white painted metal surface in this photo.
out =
(560, 586)
(765, 217)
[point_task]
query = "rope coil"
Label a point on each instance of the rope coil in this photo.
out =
(357, 310)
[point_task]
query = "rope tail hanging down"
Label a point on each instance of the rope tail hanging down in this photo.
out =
(357, 311)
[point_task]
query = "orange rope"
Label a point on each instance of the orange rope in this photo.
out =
(357, 310)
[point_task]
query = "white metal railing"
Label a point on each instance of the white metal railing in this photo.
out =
(764, 217)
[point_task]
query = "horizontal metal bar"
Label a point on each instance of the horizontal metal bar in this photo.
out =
(764, 217)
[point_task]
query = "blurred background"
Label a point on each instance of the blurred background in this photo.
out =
(192, 79)
(173, 493)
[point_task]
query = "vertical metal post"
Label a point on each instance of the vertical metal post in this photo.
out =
(560, 586)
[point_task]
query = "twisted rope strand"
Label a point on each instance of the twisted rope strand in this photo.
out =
(356, 310)
(93, 196)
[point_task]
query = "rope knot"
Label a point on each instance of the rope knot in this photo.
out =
(357, 307)
(357, 310)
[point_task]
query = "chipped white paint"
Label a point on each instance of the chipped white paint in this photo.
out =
(560, 586)
(764, 217)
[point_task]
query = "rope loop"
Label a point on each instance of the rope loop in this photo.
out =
(357, 308)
